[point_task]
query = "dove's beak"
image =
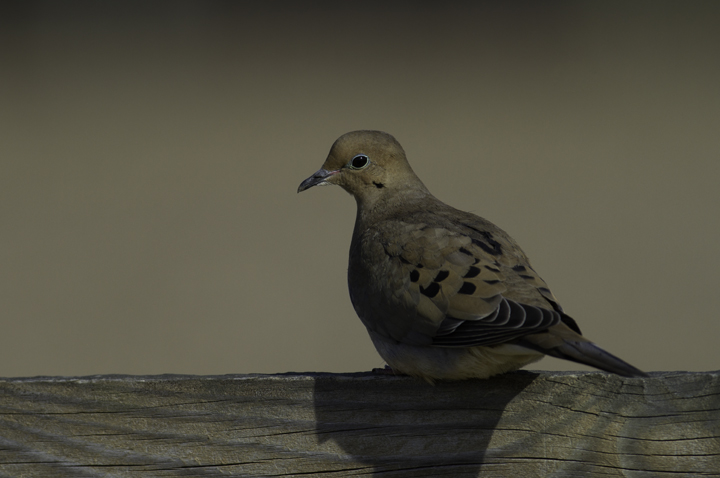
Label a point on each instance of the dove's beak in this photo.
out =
(318, 179)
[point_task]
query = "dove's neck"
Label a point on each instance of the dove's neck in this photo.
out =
(390, 203)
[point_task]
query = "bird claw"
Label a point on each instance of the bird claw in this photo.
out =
(387, 370)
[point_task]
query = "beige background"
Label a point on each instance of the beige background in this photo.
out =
(151, 152)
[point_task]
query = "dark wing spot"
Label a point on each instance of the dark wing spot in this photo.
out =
(519, 268)
(492, 247)
(441, 276)
(491, 268)
(431, 290)
(467, 288)
(493, 281)
(419, 266)
(472, 272)
(378, 185)
(525, 276)
(465, 251)
(473, 228)
(414, 276)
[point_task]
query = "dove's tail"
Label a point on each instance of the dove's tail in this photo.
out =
(590, 354)
(566, 344)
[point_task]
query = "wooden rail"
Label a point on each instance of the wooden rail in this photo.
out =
(522, 424)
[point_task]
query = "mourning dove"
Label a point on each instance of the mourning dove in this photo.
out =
(444, 294)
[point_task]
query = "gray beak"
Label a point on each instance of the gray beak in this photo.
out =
(316, 179)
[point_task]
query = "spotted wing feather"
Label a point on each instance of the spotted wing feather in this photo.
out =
(447, 288)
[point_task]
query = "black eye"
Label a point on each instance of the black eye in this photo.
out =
(360, 161)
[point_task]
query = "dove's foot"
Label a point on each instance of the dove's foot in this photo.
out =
(387, 370)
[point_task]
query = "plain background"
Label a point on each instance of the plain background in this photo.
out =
(151, 151)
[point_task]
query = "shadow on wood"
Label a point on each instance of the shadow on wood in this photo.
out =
(409, 428)
(519, 424)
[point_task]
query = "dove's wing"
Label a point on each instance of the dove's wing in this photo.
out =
(430, 285)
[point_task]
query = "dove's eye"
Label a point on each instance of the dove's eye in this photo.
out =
(359, 162)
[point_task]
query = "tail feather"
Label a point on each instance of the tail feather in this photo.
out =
(590, 354)
(562, 342)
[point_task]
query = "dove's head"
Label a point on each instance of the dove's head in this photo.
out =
(367, 164)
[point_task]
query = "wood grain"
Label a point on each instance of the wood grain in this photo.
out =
(522, 424)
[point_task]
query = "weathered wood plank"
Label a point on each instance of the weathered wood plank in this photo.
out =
(519, 424)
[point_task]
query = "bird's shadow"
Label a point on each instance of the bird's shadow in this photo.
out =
(404, 427)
